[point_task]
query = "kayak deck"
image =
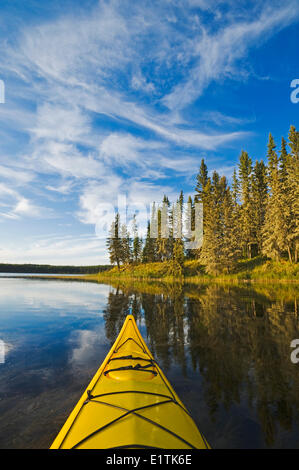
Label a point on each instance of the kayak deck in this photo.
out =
(129, 404)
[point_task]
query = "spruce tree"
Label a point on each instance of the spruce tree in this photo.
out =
(209, 254)
(246, 213)
(201, 180)
(189, 227)
(283, 162)
(114, 242)
(293, 188)
(287, 222)
(230, 251)
(137, 242)
(126, 249)
(177, 263)
(148, 253)
(294, 142)
(259, 201)
(221, 242)
(281, 224)
(164, 240)
(273, 218)
(178, 243)
(235, 188)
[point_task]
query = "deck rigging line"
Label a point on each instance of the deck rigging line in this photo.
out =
(138, 368)
(134, 411)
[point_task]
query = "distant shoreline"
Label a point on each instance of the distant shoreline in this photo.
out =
(51, 269)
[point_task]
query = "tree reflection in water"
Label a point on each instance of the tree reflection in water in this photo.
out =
(236, 339)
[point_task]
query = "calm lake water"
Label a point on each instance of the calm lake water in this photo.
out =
(226, 350)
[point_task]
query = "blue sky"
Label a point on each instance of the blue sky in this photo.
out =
(124, 98)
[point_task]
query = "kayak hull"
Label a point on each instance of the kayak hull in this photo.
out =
(129, 403)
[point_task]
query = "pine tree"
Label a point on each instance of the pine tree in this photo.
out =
(137, 242)
(209, 253)
(293, 188)
(126, 250)
(294, 142)
(221, 243)
(177, 218)
(259, 201)
(283, 161)
(235, 188)
(189, 227)
(178, 255)
(281, 224)
(114, 242)
(272, 225)
(201, 180)
(272, 156)
(148, 253)
(177, 263)
(235, 193)
(230, 251)
(181, 200)
(287, 222)
(246, 215)
(164, 240)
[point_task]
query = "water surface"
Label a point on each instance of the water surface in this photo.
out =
(226, 350)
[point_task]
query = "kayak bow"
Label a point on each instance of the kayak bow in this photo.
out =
(129, 403)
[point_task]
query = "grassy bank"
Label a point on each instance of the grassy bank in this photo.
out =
(247, 271)
(257, 269)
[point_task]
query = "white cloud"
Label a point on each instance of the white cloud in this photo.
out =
(15, 205)
(110, 103)
(59, 251)
(85, 342)
(64, 158)
(7, 191)
(218, 53)
(97, 196)
(16, 175)
(63, 188)
(139, 82)
(121, 148)
(63, 48)
(219, 119)
(82, 63)
(25, 207)
(61, 123)
(63, 299)
(15, 117)
(99, 202)
(125, 150)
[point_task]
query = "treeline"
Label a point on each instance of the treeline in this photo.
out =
(257, 215)
(49, 269)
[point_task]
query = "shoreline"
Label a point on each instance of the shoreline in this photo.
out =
(256, 270)
(253, 271)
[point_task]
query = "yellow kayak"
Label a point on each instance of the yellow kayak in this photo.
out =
(129, 404)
